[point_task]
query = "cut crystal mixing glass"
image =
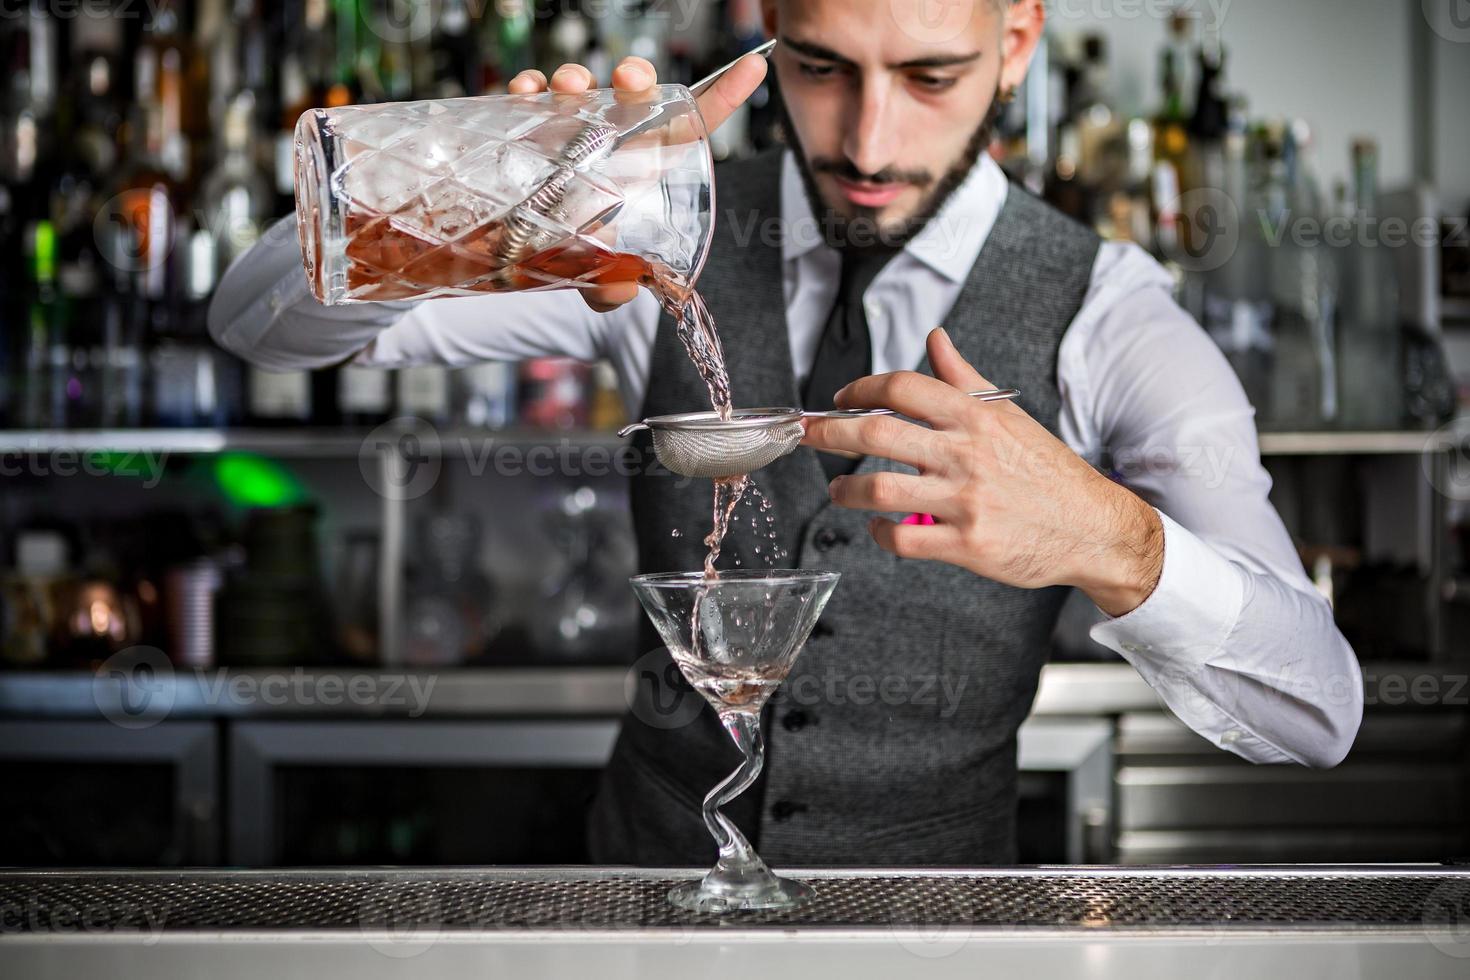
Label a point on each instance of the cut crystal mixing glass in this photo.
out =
(454, 197)
(734, 639)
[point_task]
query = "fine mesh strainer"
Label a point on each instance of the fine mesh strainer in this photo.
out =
(701, 445)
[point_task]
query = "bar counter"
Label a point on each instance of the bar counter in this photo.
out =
(1262, 922)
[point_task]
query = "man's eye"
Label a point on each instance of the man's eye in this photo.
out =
(817, 71)
(932, 83)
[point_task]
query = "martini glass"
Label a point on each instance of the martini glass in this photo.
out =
(735, 638)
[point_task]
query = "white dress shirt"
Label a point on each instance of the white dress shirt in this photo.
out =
(1234, 639)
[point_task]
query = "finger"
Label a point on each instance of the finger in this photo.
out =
(731, 89)
(527, 82)
(898, 493)
(950, 365)
(604, 299)
(634, 74)
(571, 79)
(924, 542)
(884, 436)
(909, 393)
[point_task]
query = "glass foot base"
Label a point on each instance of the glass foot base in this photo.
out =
(718, 893)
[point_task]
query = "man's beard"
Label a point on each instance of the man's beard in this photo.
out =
(862, 229)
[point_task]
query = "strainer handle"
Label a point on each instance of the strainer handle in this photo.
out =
(993, 395)
(628, 430)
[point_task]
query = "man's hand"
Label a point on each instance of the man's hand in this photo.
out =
(1010, 501)
(636, 75)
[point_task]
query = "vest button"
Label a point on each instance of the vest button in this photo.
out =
(795, 721)
(830, 537)
(822, 630)
(783, 810)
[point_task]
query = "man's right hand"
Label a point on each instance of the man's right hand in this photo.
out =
(637, 75)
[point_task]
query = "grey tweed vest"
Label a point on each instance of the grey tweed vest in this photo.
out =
(893, 742)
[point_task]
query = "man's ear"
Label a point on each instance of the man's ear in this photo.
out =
(1023, 23)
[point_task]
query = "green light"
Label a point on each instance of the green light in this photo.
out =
(253, 481)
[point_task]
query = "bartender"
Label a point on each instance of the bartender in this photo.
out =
(833, 261)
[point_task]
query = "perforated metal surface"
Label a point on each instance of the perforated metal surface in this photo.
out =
(590, 900)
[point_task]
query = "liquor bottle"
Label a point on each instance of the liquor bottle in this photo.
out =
(1370, 339)
(1102, 161)
(162, 70)
(457, 69)
(1232, 301)
(511, 42)
(304, 66)
(364, 396)
(345, 88)
(423, 392)
(1304, 288)
(1171, 123)
(234, 199)
(54, 390)
(145, 202)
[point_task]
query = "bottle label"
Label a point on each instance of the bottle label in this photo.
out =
(423, 391)
(364, 390)
(280, 396)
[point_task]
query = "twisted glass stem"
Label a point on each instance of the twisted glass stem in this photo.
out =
(736, 855)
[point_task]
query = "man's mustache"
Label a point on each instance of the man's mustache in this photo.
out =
(844, 168)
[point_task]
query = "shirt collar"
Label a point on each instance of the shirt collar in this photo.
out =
(949, 244)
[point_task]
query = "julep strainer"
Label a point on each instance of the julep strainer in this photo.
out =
(701, 445)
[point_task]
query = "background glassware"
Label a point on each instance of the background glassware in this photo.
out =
(734, 639)
(463, 196)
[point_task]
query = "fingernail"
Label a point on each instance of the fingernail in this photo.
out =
(832, 487)
(635, 76)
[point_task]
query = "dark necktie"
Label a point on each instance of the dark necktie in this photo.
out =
(846, 350)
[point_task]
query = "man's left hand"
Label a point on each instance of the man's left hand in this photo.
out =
(1010, 501)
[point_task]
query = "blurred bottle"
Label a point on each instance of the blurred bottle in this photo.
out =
(162, 75)
(364, 396)
(305, 66)
(273, 609)
(485, 395)
(607, 413)
(47, 354)
(423, 392)
(357, 597)
(32, 596)
(457, 68)
(234, 199)
(1304, 288)
(448, 614)
(582, 614)
(1233, 301)
(511, 41)
(554, 393)
(1370, 339)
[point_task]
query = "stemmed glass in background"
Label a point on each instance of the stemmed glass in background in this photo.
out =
(735, 638)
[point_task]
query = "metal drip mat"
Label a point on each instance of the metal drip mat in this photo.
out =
(492, 900)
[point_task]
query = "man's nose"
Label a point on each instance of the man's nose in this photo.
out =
(869, 144)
